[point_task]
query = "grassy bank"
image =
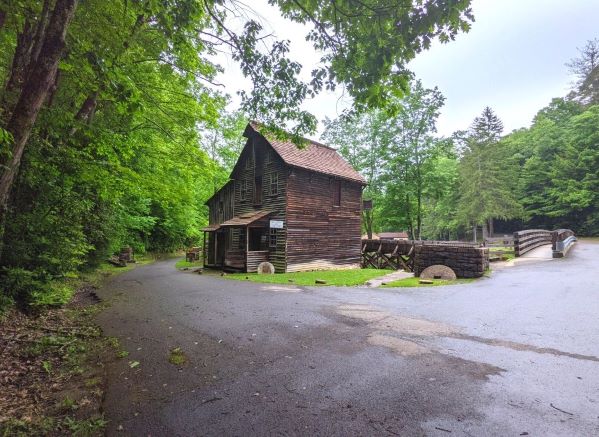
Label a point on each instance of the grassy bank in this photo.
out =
(330, 277)
(183, 264)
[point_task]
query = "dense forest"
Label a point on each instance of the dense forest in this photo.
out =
(545, 176)
(114, 129)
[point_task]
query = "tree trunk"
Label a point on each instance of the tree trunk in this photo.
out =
(368, 223)
(474, 233)
(2, 18)
(86, 112)
(53, 89)
(18, 68)
(491, 228)
(419, 216)
(410, 223)
(34, 93)
(40, 32)
(485, 230)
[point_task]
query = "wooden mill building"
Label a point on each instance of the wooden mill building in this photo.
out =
(300, 209)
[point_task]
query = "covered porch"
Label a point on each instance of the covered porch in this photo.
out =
(239, 244)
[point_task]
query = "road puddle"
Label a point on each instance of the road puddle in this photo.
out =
(391, 330)
(281, 289)
(410, 336)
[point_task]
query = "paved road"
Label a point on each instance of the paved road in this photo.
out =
(512, 354)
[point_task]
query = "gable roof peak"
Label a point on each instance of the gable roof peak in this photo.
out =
(314, 156)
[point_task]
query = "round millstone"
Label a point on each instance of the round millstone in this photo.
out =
(266, 268)
(438, 271)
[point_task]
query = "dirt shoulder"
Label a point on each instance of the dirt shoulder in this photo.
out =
(53, 377)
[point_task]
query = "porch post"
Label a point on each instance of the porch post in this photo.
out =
(204, 252)
(247, 246)
(215, 249)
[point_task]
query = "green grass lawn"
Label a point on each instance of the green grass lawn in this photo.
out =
(183, 263)
(332, 277)
(414, 282)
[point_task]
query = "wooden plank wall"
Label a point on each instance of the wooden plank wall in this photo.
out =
(254, 258)
(256, 151)
(320, 235)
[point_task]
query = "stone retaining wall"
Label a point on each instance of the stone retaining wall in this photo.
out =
(466, 262)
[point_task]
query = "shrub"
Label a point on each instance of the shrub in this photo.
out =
(32, 288)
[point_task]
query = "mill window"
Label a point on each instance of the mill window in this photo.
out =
(243, 190)
(336, 193)
(258, 190)
(272, 241)
(274, 184)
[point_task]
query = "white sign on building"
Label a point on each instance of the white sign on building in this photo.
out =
(277, 224)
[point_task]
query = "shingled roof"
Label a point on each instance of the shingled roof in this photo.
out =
(313, 156)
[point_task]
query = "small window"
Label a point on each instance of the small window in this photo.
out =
(268, 159)
(248, 163)
(258, 190)
(336, 193)
(272, 241)
(243, 190)
(274, 184)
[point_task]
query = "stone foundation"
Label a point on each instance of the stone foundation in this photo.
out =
(466, 262)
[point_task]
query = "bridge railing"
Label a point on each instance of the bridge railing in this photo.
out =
(525, 241)
(562, 241)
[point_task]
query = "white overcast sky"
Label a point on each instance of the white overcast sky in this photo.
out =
(512, 60)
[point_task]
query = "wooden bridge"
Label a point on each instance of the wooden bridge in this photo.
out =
(561, 241)
(467, 259)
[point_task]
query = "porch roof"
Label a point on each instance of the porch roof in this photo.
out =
(245, 219)
(211, 228)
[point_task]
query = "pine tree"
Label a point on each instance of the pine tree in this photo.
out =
(487, 174)
(586, 69)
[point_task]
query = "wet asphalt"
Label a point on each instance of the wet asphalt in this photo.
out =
(513, 354)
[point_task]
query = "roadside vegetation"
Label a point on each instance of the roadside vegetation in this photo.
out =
(53, 357)
(343, 277)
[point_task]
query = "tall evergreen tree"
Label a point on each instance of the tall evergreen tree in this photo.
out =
(585, 68)
(487, 175)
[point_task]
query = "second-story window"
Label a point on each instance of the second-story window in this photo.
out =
(268, 158)
(336, 192)
(274, 184)
(243, 190)
(258, 190)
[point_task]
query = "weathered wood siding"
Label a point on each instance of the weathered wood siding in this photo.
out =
(225, 197)
(321, 235)
(264, 162)
(221, 207)
(254, 259)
